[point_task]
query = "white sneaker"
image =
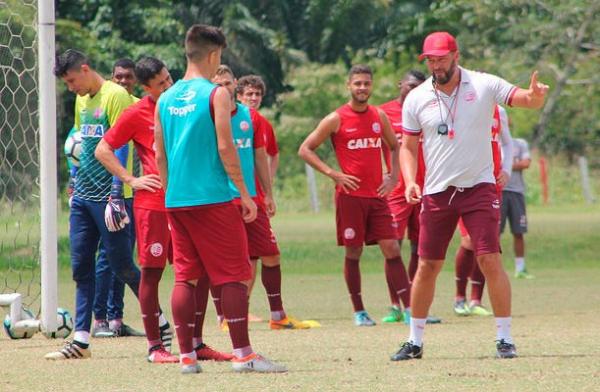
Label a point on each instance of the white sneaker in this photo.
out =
(190, 366)
(256, 363)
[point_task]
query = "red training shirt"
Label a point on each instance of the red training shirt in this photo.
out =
(357, 145)
(137, 124)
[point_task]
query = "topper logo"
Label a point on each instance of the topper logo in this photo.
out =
(470, 96)
(367, 142)
(187, 96)
(182, 111)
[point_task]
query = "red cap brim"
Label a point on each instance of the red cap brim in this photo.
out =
(439, 52)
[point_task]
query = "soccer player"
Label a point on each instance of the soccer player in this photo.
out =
(154, 239)
(193, 135)
(250, 144)
(250, 91)
(108, 299)
(513, 206)
(406, 215)
(465, 265)
(453, 111)
(98, 211)
(357, 131)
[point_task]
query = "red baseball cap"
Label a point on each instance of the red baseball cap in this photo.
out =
(439, 43)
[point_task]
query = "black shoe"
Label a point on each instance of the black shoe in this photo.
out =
(126, 330)
(505, 350)
(408, 351)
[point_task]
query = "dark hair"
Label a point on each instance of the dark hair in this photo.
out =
(147, 68)
(71, 59)
(359, 69)
(416, 74)
(224, 69)
(254, 81)
(200, 39)
(124, 63)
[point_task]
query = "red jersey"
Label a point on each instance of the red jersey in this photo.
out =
(266, 129)
(496, 153)
(393, 109)
(357, 145)
(137, 124)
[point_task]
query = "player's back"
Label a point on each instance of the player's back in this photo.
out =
(196, 175)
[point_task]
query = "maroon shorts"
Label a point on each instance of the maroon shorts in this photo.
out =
(479, 209)
(406, 217)
(261, 239)
(363, 220)
(209, 240)
(153, 237)
(461, 224)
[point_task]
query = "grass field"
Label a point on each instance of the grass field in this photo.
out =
(555, 326)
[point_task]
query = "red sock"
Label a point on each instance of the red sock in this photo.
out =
(412, 265)
(201, 301)
(271, 279)
(234, 300)
(395, 272)
(352, 275)
(215, 292)
(391, 290)
(183, 305)
(464, 265)
(477, 283)
(148, 296)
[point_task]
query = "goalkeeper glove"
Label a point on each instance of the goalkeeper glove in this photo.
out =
(115, 214)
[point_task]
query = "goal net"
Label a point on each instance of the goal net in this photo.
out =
(19, 153)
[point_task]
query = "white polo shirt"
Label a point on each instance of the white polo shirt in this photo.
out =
(465, 159)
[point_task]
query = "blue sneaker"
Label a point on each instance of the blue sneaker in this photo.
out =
(362, 319)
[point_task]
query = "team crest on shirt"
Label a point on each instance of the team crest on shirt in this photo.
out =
(273, 238)
(376, 127)
(156, 249)
(244, 126)
(349, 233)
(496, 204)
(470, 96)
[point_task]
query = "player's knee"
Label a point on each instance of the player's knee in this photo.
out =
(429, 268)
(353, 252)
(490, 264)
(271, 261)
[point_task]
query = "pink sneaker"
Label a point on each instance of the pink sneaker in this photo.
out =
(207, 353)
(161, 355)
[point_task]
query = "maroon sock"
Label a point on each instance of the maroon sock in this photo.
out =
(412, 265)
(477, 283)
(352, 275)
(271, 279)
(183, 305)
(148, 296)
(234, 300)
(395, 272)
(215, 292)
(201, 302)
(391, 290)
(463, 267)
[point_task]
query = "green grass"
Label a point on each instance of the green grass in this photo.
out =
(555, 325)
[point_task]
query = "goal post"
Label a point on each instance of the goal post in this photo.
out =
(48, 167)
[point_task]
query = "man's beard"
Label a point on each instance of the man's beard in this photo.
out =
(355, 98)
(447, 74)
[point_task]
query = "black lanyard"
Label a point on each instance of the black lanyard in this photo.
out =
(443, 126)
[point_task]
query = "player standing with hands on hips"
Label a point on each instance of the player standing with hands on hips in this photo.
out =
(453, 111)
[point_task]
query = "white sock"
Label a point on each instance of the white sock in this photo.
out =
(162, 320)
(82, 337)
(519, 264)
(417, 327)
(503, 329)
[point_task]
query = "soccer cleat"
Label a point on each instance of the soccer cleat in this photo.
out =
(102, 330)
(161, 355)
(207, 353)
(479, 310)
(505, 350)
(362, 319)
(523, 275)
(394, 316)
(126, 330)
(461, 308)
(166, 336)
(433, 320)
(288, 323)
(69, 351)
(256, 363)
(408, 351)
(190, 366)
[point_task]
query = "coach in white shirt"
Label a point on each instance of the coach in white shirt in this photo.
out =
(453, 111)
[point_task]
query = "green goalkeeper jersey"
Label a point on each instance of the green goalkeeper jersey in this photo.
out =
(93, 117)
